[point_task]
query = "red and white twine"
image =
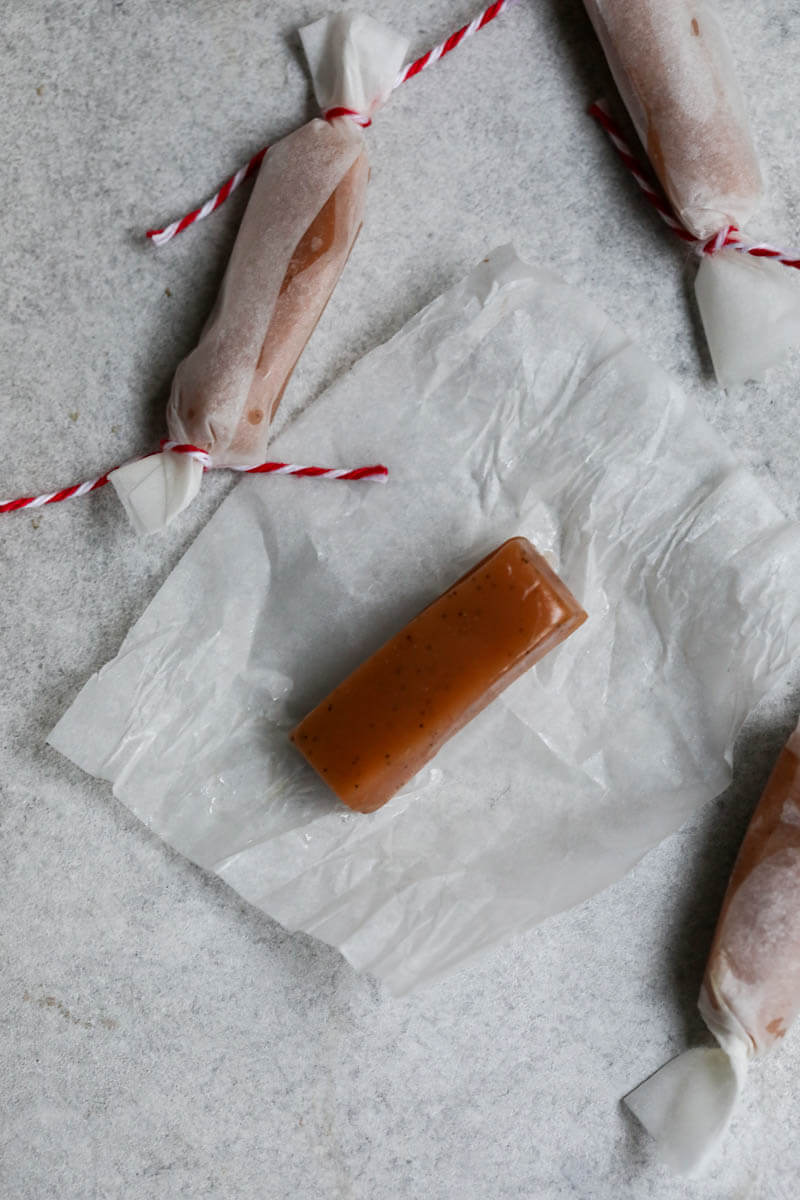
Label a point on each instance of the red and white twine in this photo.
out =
(729, 235)
(160, 236)
(455, 39)
(70, 493)
(376, 474)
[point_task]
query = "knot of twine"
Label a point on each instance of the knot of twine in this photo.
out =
(331, 114)
(727, 236)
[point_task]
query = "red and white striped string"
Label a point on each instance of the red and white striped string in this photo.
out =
(376, 474)
(729, 235)
(160, 236)
(455, 39)
(70, 493)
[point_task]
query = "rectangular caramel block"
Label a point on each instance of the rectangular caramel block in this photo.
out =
(390, 717)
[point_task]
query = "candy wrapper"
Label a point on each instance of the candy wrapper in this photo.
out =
(675, 73)
(511, 405)
(751, 990)
(294, 240)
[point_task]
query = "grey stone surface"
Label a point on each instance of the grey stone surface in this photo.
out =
(158, 1037)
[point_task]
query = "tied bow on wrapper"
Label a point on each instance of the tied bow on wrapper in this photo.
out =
(674, 71)
(297, 232)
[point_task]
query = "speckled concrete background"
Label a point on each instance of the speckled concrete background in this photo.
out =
(160, 1038)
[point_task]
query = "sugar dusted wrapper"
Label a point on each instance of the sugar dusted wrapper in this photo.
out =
(304, 214)
(672, 64)
(510, 405)
(674, 70)
(751, 990)
(296, 234)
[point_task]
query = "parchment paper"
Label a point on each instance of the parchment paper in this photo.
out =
(509, 405)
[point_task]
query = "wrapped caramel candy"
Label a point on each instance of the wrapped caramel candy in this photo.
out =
(297, 232)
(751, 990)
(674, 71)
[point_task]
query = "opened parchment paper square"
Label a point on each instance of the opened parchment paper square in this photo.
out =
(509, 405)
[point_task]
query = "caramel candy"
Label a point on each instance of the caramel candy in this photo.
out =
(752, 980)
(751, 989)
(296, 235)
(391, 716)
(672, 65)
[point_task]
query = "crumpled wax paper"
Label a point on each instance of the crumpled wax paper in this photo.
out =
(509, 405)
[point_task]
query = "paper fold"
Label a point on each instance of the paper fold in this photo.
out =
(354, 61)
(687, 1105)
(750, 308)
(155, 489)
